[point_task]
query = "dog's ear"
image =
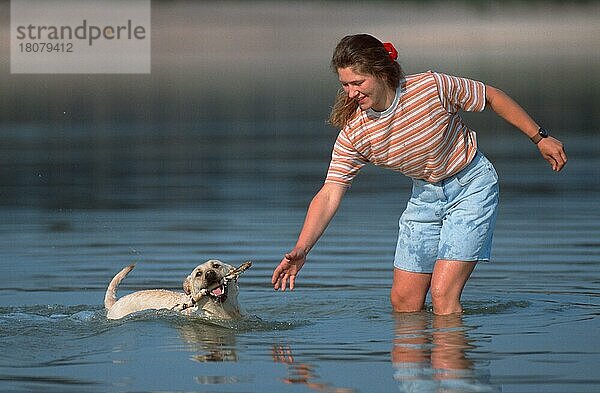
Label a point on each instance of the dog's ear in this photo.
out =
(187, 285)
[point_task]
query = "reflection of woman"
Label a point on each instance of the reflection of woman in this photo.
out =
(430, 355)
(411, 125)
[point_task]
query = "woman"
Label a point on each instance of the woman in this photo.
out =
(411, 124)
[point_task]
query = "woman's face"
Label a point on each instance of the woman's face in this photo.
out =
(369, 91)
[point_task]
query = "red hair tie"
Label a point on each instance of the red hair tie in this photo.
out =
(389, 47)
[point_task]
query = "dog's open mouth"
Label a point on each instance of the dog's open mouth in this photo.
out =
(219, 294)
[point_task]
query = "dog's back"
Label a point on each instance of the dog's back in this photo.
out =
(151, 299)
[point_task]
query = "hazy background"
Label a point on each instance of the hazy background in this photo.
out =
(235, 81)
(269, 60)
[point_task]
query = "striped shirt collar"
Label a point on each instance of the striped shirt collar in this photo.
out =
(391, 109)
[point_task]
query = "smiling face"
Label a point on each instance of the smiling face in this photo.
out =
(370, 92)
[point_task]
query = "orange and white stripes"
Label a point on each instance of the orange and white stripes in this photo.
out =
(420, 135)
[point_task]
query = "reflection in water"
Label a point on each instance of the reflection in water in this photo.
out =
(430, 355)
(302, 373)
(211, 343)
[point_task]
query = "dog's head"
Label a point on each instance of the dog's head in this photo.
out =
(221, 300)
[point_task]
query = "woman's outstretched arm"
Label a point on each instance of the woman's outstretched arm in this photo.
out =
(320, 212)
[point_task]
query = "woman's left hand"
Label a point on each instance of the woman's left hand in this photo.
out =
(552, 150)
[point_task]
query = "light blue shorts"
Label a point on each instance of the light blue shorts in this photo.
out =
(453, 219)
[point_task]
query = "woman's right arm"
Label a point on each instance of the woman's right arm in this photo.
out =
(320, 212)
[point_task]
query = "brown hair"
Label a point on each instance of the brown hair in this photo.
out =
(366, 55)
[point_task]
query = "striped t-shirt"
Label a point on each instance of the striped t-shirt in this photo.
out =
(420, 135)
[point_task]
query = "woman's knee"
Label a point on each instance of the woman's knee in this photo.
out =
(403, 302)
(409, 291)
(440, 293)
(445, 300)
(408, 298)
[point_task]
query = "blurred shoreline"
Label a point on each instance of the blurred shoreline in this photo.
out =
(257, 60)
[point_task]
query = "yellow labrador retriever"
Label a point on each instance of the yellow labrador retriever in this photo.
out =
(209, 291)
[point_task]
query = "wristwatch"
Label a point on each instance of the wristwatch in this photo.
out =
(541, 134)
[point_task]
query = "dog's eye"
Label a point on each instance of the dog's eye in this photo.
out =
(216, 266)
(198, 274)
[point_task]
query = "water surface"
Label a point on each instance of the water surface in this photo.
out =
(530, 315)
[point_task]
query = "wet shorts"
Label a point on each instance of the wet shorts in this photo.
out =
(453, 219)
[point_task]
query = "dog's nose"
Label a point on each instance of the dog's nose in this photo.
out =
(211, 276)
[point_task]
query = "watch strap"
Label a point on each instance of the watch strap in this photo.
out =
(541, 134)
(536, 138)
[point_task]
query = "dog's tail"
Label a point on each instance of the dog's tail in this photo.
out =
(111, 292)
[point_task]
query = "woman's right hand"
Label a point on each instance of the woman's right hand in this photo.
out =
(287, 270)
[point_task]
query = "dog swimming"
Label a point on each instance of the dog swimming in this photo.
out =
(210, 290)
